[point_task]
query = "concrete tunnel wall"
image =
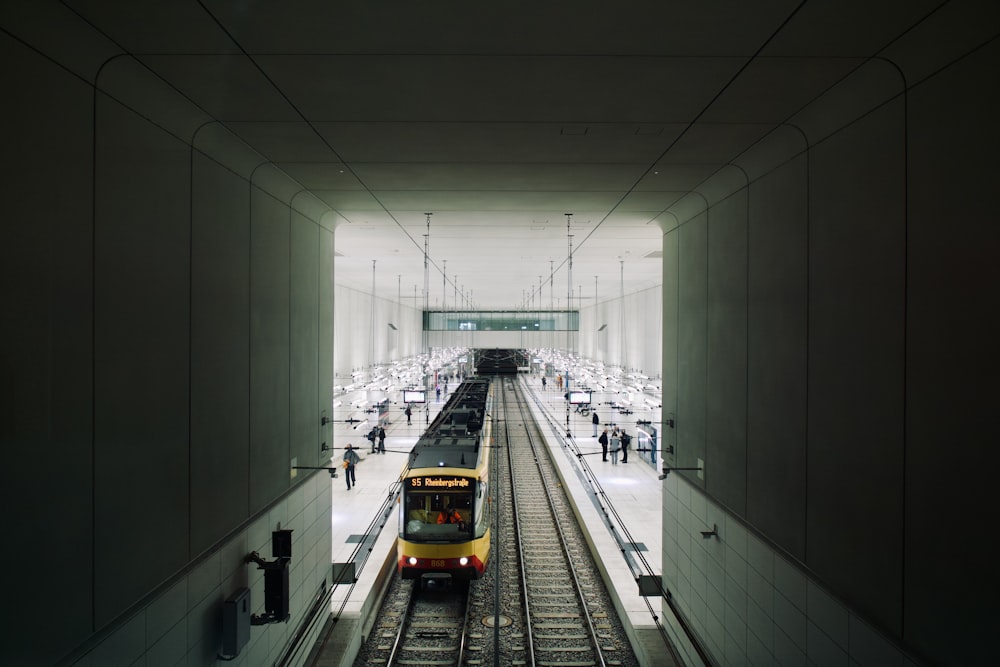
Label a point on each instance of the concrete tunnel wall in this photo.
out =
(828, 353)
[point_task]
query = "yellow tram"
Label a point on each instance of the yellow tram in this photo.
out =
(444, 512)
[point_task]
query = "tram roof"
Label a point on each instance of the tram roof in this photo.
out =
(446, 452)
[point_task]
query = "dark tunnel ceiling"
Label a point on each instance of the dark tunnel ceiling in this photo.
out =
(500, 118)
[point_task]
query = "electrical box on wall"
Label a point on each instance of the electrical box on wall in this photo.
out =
(276, 591)
(235, 623)
(275, 579)
(281, 543)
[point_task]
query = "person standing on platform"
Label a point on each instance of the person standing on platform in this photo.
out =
(437, 392)
(604, 445)
(351, 459)
(409, 413)
(615, 446)
(543, 382)
(559, 381)
(626, 441)
(381, 440)
(595, 421)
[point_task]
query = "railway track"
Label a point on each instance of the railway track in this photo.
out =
(541, 602)
(568, 615)
(419, 625)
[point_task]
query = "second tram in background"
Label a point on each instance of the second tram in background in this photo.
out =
(444, 516)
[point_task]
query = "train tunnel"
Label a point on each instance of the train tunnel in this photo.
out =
(500, 362)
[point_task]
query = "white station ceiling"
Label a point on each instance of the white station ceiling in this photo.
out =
(500, 118)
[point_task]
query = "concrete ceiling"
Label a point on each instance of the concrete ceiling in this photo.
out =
(500, 118)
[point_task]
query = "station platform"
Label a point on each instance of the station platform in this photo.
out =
(623, 499)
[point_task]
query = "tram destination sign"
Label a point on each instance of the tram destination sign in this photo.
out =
(439, 482)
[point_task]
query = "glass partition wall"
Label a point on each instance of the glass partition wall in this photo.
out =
(502, 320)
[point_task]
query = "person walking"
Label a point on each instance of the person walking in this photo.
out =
(615, 446)
(595, 421)
(604, 445)
(626, 441)
(351, 459)
(381, 440)
(543, 382)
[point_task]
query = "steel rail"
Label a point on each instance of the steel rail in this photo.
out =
(574, 576)
(529, 633)
(569, 441)
(404, 622)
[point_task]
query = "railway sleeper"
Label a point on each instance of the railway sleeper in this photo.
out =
(547, 571)
(448, 625)
(430, 634)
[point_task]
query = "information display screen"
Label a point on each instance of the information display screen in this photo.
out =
(413, 396)
(579, 397)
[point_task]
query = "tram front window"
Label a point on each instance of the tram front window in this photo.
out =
(433, 516)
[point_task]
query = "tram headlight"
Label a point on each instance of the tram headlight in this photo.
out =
(411, 560)
(463, 561)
